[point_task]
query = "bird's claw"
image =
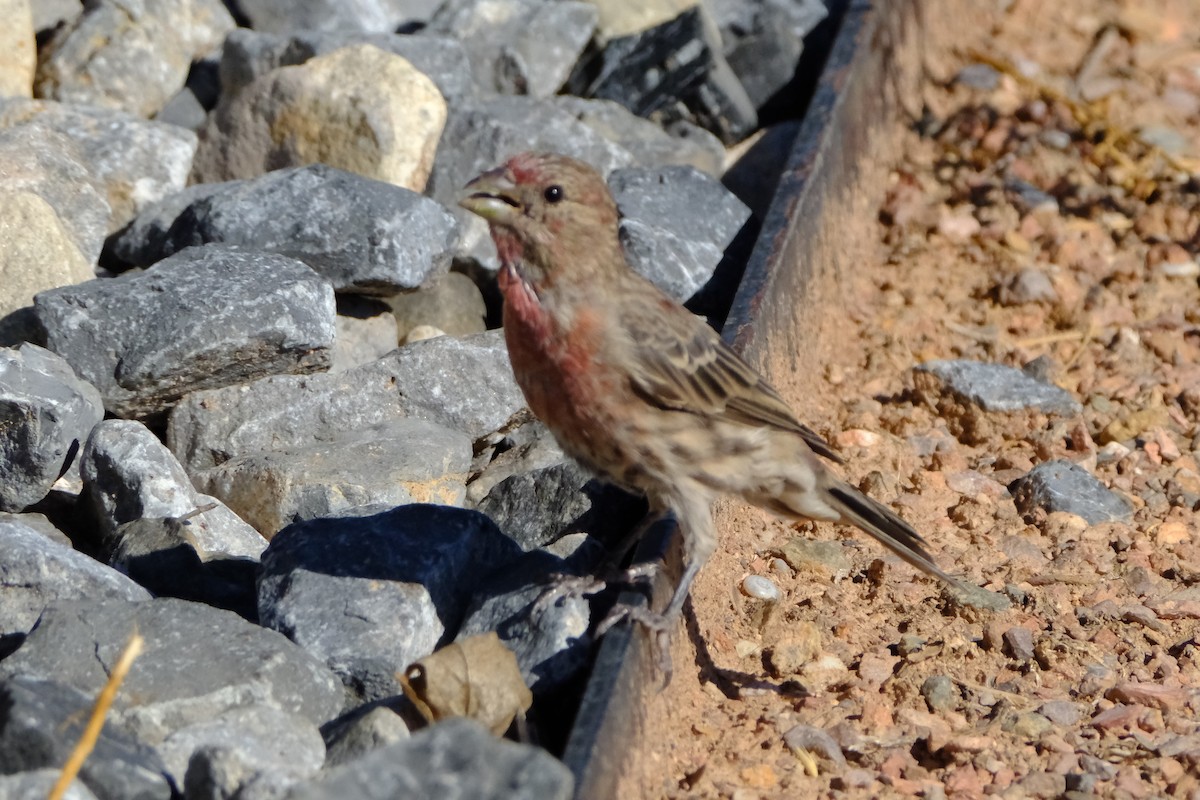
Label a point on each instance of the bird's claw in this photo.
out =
(564, 586)
(657, 626)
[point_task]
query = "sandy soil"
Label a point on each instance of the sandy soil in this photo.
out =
(1090, 683)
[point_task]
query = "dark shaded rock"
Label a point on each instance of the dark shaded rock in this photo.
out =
(672, 71)
(453, 758)
(551, 645)
(206, 317)
(675, 224)
(221, 662)
(370, 594)
(40, 722)
(1063, 486)
(48, 413)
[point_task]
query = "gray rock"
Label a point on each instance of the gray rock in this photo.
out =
(480, 134)
(1028, 198)
(939, 693)
(1030, 285)
(409, 461)
(674, 70)
(48, 14)
(650, 145)
(551, 646)
(450, 302)
(374, 16)
(36, 784)
(181, 557)
(1061, 712)
(217, 772)
(995, 387)
(198, 663)
(134, 161)
(263, 737)
(145, 239)
(1063, 486)
(360, 234)
(520, 46)
(362, 731)
(206, 317)
(454, 758)
(36, 571)
(250, 54)
(761, 43)
(462, 383)
(184, 109)
(129, 475)
(41, 722)
(533, 491)
(51, 166)
(48, 413)
(675, 224)
(371, 594)
(129, 55)
(983, 77)
(39, 524)
(1018, 643)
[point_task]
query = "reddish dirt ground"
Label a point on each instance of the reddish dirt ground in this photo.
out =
(1089, 684)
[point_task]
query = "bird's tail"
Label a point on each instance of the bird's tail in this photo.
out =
(886, 527)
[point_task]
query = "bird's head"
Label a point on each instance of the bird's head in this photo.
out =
(548, 213)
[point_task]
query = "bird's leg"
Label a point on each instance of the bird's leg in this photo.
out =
(563, 585)
(699, 541)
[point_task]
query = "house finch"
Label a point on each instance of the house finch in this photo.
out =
(639, 389)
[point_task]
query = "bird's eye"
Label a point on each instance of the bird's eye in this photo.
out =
(553, 193)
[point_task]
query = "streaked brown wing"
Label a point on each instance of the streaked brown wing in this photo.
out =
(681, 363)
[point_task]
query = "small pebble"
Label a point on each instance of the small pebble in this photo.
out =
(909, 644)
(1018, 643)
(938, 691)
(760, 588)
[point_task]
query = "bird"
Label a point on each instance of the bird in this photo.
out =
(641, 391)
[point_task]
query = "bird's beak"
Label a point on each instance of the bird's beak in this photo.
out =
(492, 196)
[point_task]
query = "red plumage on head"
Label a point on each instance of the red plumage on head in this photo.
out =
(524, 168)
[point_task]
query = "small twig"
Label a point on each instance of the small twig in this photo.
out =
(1050, 338)
(91, 733)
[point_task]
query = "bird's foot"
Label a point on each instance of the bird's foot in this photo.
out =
(564, 586)
(657, 626)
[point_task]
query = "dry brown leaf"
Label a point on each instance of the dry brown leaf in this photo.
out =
(477, 678)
